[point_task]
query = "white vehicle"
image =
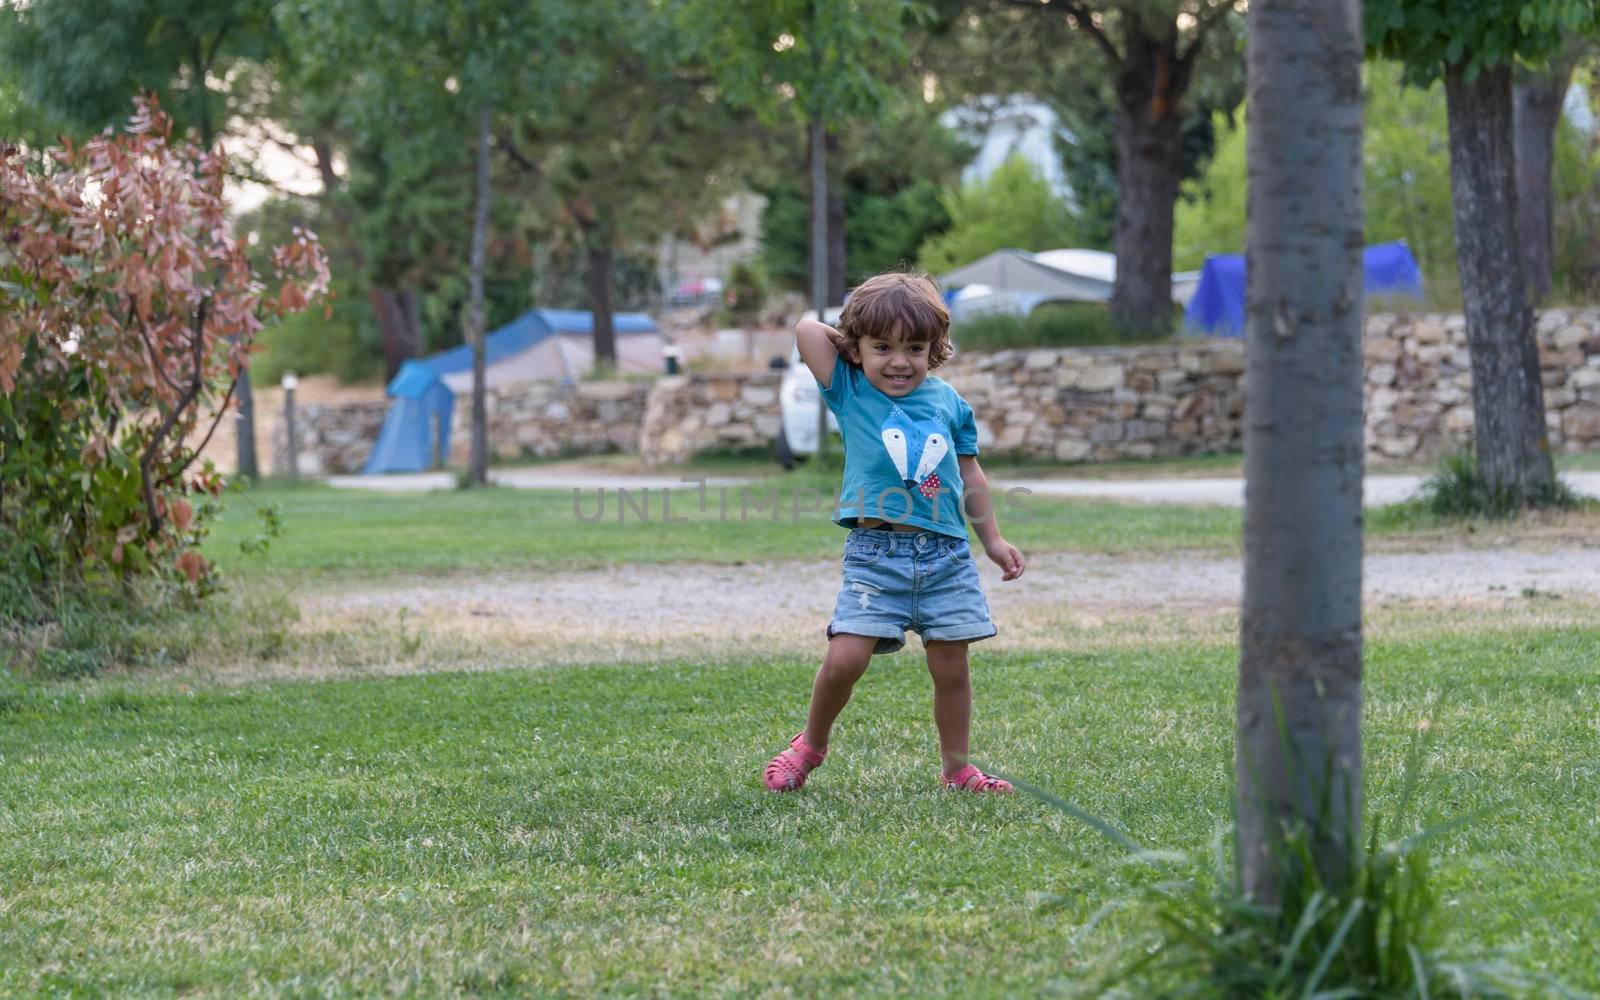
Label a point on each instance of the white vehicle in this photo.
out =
(798, 402)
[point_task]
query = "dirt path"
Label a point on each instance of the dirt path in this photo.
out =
(648, 612)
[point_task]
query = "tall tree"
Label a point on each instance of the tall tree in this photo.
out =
(892, 174)
(656, 163)
(1537, 96)
(1473, 46)
(1299, 711)
(85, 62)
(428, 71)
(816, 63)
(1152, 48)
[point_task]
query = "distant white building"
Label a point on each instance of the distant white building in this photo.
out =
(1007, 125)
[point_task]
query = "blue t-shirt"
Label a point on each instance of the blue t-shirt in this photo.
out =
(900, 451)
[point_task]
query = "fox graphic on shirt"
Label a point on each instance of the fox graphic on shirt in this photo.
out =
(916, 448)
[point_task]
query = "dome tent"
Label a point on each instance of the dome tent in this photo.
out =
(1217, 308)
(541, 344)
(416, 430)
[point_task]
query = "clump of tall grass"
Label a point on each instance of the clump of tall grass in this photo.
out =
(1372, 935)
(1458, 490)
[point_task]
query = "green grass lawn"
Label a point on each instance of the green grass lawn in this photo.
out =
(358, 533)
(355, 532)
(758, 462)
(603, 829)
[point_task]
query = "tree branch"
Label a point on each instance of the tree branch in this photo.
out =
(528, 166)
(196, 381)
(1083, 22)
(1203, 24)
(155, 359)
(216, 43)
(221, 412)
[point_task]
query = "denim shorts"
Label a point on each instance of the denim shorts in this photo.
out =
(924, 581)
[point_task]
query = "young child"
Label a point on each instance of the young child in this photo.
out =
(911, 473)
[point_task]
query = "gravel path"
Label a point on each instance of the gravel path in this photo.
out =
(645, 601)
(1220, 491)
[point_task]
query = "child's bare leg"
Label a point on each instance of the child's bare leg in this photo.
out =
(952, 702)
(847, 659)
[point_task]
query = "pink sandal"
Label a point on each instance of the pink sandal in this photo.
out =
(970, 779)
(787, 771)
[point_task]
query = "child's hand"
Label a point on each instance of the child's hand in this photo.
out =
(1008, 557)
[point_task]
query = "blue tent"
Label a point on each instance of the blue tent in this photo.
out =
(1217, 308)
(416, 430)
(528, 330)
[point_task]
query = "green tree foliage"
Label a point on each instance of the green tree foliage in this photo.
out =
(1407, 171)
(790, 59)
(886, 229)
(820, 65)
(80, 63)
(1577, 204)
(1209, 217)
(1426, 36)
(1152, 51)
(893, 174)
(1013, 207)
(1406, 179)
(657, 162)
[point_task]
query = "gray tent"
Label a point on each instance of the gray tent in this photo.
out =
(1017, 281)
(1020, 271)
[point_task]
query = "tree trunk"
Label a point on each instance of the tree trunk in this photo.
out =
(249, 467)
(1298, 765)
(819, 252)
(1507, 397)
(1536, 111)
(601, 303)
(1149, 169)
(475, 322)
(398, 323)
(838, 277)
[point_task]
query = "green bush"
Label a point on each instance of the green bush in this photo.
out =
(1053, 324)
(124, 320)
(1013, 207)
(746, 293)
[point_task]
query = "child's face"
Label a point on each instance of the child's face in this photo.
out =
(894, 366)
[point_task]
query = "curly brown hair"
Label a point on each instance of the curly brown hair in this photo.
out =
(898, 306)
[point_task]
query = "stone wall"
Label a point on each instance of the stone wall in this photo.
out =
(1097, 404)
(1419, 383)
(535, 419)
(694, 413)
(332, 438)
(548, 420)
(1087, 404)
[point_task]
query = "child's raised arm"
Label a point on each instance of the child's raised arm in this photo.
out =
(819, 348)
